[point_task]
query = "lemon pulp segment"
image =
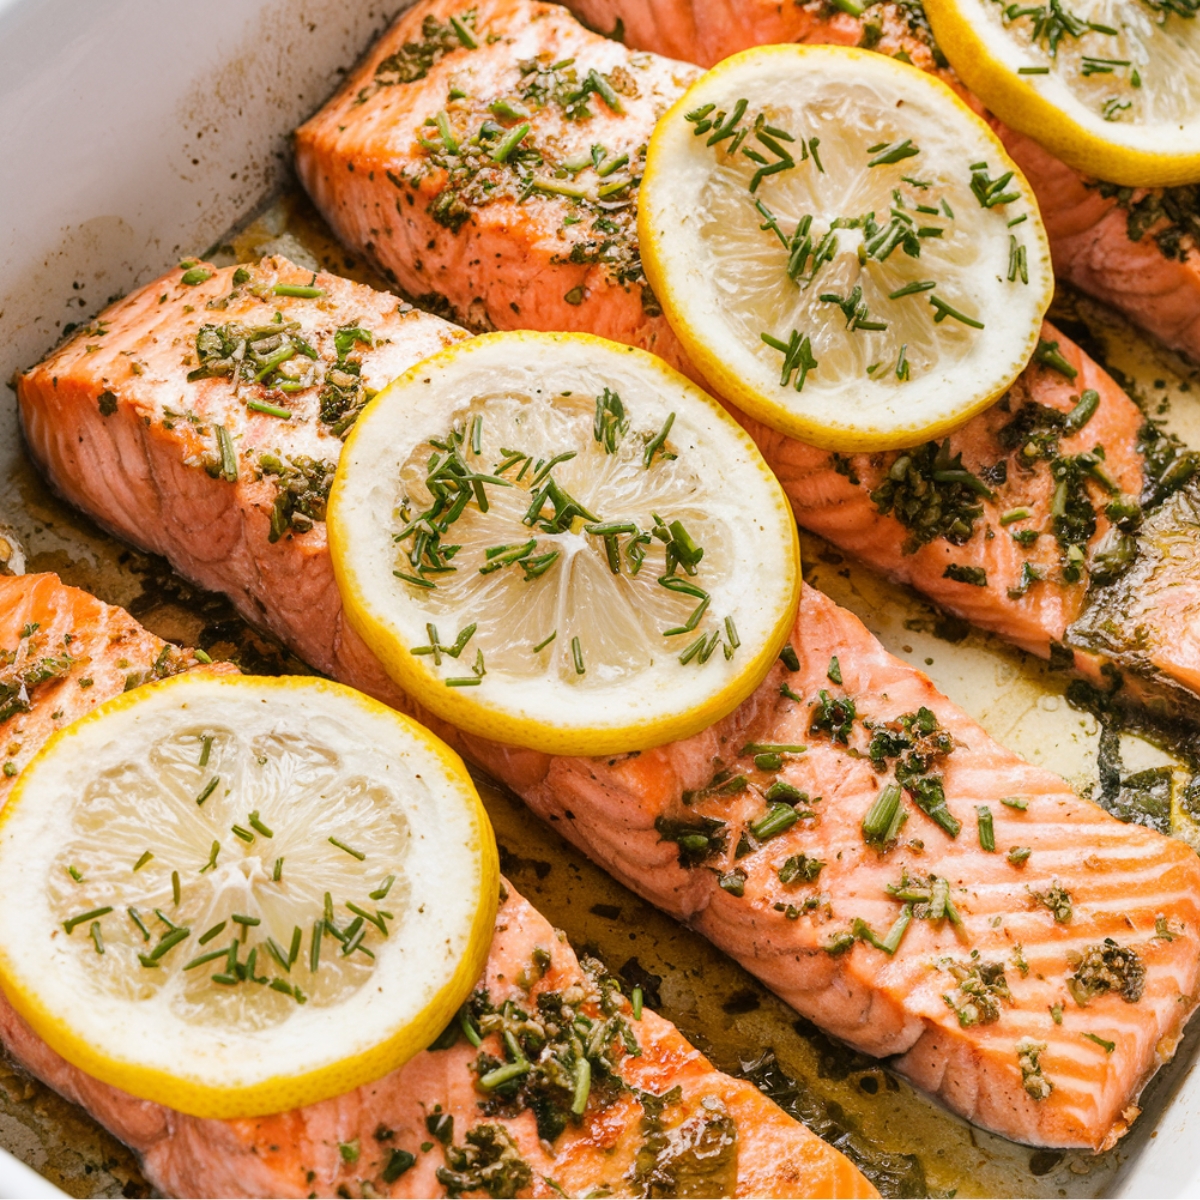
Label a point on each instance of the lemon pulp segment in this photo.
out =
(557, 541)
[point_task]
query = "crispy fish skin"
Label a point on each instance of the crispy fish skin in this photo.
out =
(622, 811)
(756, 1148)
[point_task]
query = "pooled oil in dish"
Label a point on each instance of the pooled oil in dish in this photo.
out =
(904, 1142)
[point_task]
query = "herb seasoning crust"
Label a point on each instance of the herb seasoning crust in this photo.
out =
(500, 183)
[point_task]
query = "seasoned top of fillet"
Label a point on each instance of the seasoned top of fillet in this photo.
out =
(1008, 520)
(62, 652)
(257, 372)
(865, 849)
(653, 1115)
(490, 154)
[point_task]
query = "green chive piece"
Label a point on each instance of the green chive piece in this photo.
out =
(176, 890)
(97, 937)
(298, 291)
(945, 310)
(314, 952)
(463, 34)
(577, 657)
(773, 748)
(271, 410)
(543, 644)
(1014, 514)
(348, 849)
(242, 919)
(509, 143)
(583, 1086)
(1108, 1047)
(1018, 856)
(1017, 802)
(469, 1030)
(987, 830)
(768, 762)
(206, 743)
(790, 659)
(657, 441)
(891, 943)
(383, 889)
(169, 941)
(414, 580)
(209, 788)
(277, 873)
(201, 655)
(229, 462)
(135, 917)
(228, 980)
(141, 862)
(214, 850)
(446, 133)
(208, 935)
(277, 952)
(201, 959)
(884, 818)
(75, 874)
(255, 823)
(244, 834)
(911, 289)
(91, 915)
(834, 673)
(374, 918)
(1033, 70)
(512, 1070)
(636, 1001)
(778, 819)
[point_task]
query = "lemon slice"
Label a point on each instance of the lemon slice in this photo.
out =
(1111, 87)
(241, 895)
(558, 542)
(844, 249)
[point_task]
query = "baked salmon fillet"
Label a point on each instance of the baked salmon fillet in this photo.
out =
(658, 1120)
(947, 523)
(729, 838)
(1135, 249)
(456, 153)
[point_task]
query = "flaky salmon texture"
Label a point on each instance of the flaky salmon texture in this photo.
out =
(659, 1119)
(1031, 987)
(1006, 524)
(1134, 248)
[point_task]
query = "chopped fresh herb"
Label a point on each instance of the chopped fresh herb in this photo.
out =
(834, 717)
(1058, 900)
(1029, 1053)
(960, 573)
(987, 833)
(1106, 967)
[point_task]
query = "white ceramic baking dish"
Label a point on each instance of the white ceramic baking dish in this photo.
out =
(136, 131)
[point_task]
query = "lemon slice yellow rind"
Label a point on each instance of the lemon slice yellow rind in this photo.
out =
(1080, 103)
(319, 1051)
(721, 276)
(538, 698)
